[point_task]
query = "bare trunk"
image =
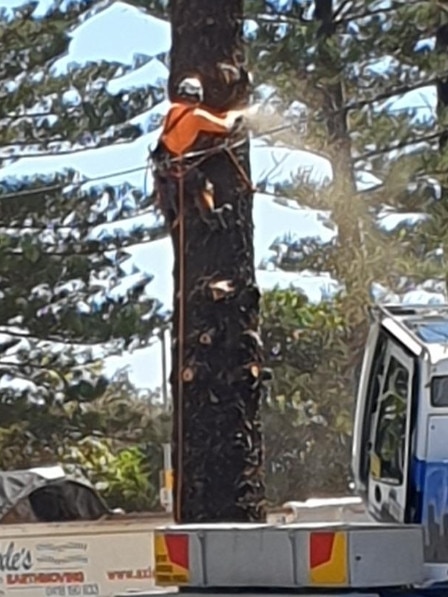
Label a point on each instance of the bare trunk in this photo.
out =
(345, 213)
(346, 207)
(442, 107)
(442, 85)
(217, 361)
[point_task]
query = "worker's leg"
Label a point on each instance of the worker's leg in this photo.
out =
(166, 185)
(167, 191)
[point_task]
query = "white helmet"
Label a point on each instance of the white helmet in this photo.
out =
(191, 87)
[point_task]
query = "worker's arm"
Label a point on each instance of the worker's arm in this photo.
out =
(211, 123)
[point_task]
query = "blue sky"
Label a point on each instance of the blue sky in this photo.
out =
(124, 34)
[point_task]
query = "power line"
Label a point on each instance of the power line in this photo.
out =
(48, 188)
(59, 187)
(119, 143)
(48, 154)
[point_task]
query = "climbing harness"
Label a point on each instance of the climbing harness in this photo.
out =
(177, 167)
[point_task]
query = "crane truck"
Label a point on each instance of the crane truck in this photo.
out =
(400, 469)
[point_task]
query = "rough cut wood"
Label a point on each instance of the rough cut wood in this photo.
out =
(217, 436)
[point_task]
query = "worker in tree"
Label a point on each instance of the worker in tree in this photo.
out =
(190, 127)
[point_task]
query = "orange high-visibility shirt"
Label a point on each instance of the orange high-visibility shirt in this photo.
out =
(184, 123)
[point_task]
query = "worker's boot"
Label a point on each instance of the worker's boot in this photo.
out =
(222, 213)
(216, 217)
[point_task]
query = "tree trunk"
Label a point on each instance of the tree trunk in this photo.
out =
(338, 135)
(346, 209)
(442, 107)
(442, 84)
(217, 357)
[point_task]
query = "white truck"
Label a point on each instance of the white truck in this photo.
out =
(400, 469)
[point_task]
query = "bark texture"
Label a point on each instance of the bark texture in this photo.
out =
(442, 84)
(206, 39)
(346, 211)
(216, 377)
(442, 107)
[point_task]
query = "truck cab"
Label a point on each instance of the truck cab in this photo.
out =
(400, 445)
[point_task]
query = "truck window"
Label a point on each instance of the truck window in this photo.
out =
(373, 391)
(439, 391)
(390, 441)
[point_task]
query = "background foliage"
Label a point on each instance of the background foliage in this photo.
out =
(308, 414)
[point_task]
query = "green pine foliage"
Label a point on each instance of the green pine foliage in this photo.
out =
(308, 411)
(53, 271)
(350, 65)
(58, 320)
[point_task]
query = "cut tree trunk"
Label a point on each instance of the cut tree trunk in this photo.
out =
(217, 358)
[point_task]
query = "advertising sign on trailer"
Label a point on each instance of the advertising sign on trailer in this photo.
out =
(76, 564)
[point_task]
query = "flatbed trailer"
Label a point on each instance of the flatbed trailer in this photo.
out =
(375, 559)
(400, 469)
(85, 558)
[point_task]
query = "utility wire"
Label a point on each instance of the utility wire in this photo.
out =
(59, 187)
(57, 153)
(114, 174)
(56, 187)
(48, 154)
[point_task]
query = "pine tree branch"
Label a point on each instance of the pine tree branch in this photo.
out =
(357, 105)
(58, 152)
(367, 14)
(50, 338)
(282, 18)
(33, 142)
(12, 117)
(340, 9)
(400, 145)
(85, 229)
(277, 18)
(86, 252)
(31, 365)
